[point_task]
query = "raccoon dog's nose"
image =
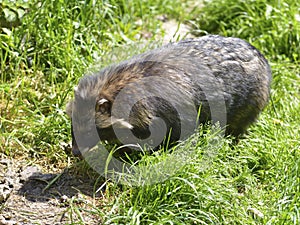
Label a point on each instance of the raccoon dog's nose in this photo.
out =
(76, 152)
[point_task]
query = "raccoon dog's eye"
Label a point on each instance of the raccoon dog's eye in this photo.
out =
(103, 106)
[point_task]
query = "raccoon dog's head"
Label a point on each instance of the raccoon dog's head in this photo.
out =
(90, 112)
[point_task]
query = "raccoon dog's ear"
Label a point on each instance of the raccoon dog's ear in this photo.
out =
(103, 106)
(69, 108)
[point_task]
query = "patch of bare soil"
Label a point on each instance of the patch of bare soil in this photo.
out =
(28, 196)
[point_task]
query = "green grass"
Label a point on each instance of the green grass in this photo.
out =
(271, 26)
(54, 43)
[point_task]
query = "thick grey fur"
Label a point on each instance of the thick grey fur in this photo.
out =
(225, 72)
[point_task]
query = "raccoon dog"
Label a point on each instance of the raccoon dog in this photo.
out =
(168, 91)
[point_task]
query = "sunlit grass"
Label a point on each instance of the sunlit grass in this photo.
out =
(272, 26)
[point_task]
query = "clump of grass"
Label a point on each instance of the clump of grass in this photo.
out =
(201, 192)
(272, 26)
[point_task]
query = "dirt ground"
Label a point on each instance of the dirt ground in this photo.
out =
(29, 196)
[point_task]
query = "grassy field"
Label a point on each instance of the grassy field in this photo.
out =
(46, 46)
